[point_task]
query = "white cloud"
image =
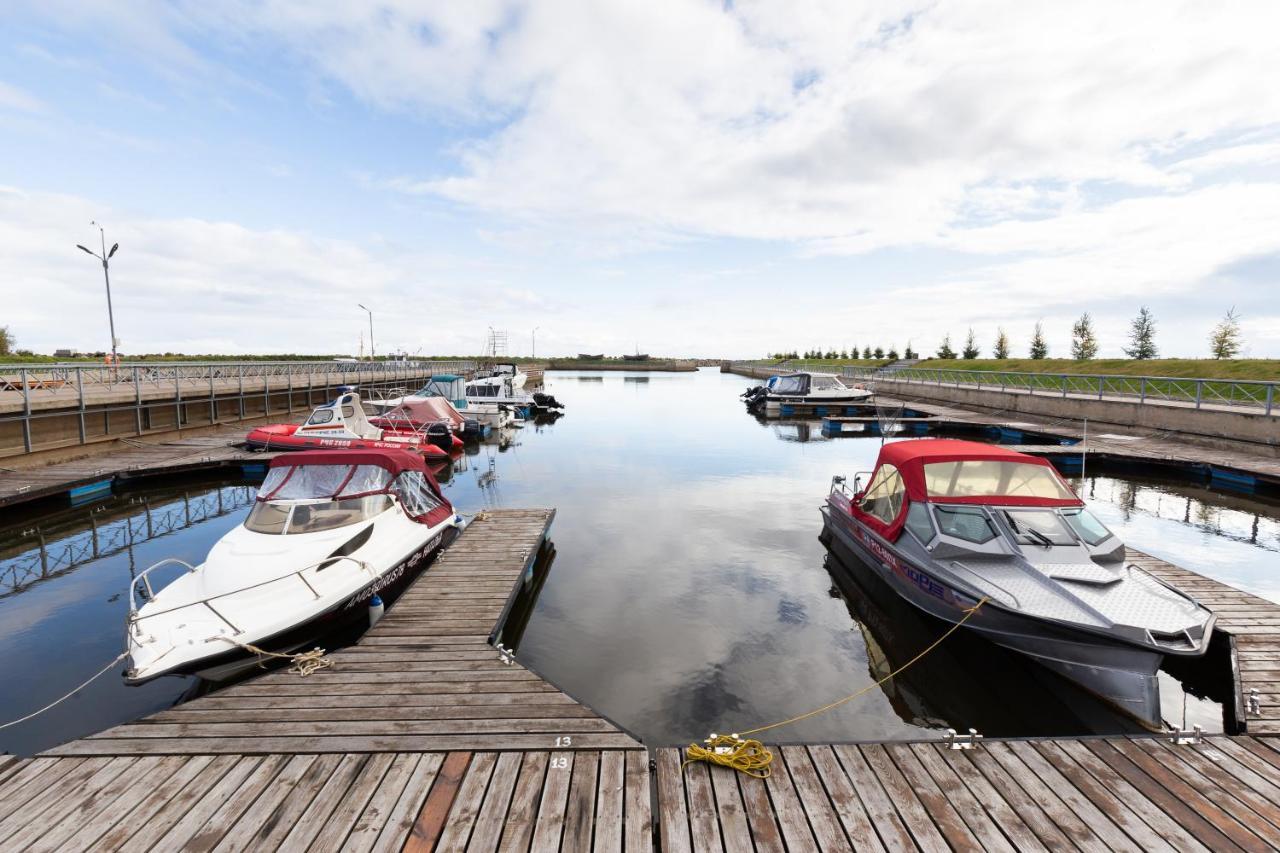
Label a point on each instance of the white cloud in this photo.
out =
(13, 98)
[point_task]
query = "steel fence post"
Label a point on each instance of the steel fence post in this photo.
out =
(177, 398)
(240, 393)
(137, 402)
(1064, 386)
(213, 399)
(1101, 384)
(1142, 390)
(1199, 391)
(1271, 388)
(26, 409)
(80, 394)
(291, 389)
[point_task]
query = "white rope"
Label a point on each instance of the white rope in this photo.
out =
(117, 660)
(304, 663)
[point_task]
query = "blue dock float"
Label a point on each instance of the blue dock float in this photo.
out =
(90, 491)
(1236, 481)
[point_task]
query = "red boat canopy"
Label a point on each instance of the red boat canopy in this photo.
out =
(955, 472)
(344, 474)
(392, 459)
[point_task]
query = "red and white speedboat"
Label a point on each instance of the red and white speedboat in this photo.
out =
(342, 424)
(329, 531)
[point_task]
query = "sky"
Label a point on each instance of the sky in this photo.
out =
(679, 177)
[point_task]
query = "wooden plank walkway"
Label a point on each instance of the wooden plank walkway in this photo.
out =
(419, 738)
(133, 459)
(1124, 793)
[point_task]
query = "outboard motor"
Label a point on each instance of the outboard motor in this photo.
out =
(755, 396)
(472, 429)
(440, 435)
(546, 401)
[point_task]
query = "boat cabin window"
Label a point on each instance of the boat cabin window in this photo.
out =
(320, 416)
(1038, 527)
(1086, 526)
(969, 523)
(826, 383)
(919, 523)
(286, 517)
(883, 497)
(994, 478)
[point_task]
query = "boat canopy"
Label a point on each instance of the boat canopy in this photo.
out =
(794, 383)
(428, 410)
(956, 472)
(342, 475)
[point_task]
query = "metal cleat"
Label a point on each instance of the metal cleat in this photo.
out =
(1183, 737)
(959, 741)
(505, 654)
(1254, 703)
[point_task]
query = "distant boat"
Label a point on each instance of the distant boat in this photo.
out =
(582, 356)
(640, 356)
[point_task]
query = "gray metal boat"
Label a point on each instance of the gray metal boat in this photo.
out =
(949, 523)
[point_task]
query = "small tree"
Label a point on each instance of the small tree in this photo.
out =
(892, 354)
(879, 353)
(1142, 336)
(1224, 342)
(7, 341)
(866, 352)
(853, 353)
(971, 350)
(909, 352)
(1084, 344)
(1039, 349)
(844, 355)
(944, 349)
(1001, 349)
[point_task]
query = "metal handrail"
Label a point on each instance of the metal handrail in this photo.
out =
(1195, 392)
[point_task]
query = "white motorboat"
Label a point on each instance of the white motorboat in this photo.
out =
(501, 389)
(819, 390)
(518, 377)
(329, 530)
(452, 388)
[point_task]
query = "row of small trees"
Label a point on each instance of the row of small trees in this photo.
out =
(851, 354)
(1225, 341)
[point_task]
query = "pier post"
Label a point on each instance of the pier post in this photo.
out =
(137, 402)
(26, 409)
(80, 413)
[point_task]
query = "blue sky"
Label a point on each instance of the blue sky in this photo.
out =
(688, 177)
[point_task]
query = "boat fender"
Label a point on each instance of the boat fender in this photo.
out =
(376, 609)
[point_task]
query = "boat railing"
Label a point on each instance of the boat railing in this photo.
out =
(135, 617)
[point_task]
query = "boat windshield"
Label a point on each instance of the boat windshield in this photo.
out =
(291, 517)
(826, 383)
(994, 478)
(1038, 527)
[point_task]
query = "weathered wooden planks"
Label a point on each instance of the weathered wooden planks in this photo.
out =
(1126, 793)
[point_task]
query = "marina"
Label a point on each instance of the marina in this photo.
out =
(422, 721)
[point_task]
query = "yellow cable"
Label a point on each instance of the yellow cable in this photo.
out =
(750, 756)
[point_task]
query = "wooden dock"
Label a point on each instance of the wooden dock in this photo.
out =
(1103, 794)
(420, 737)
(132, 459)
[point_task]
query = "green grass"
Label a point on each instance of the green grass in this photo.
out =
(1266, 370)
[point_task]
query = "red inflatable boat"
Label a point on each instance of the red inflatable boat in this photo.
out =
(343, 424)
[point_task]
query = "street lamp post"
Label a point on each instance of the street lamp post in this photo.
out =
(372, 353)
(106, 274)
(533, 344)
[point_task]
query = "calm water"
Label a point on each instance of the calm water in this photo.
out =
(689, 592)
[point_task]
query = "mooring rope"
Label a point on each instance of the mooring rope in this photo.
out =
(74, 690)
(304, 663)
(750, 756)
